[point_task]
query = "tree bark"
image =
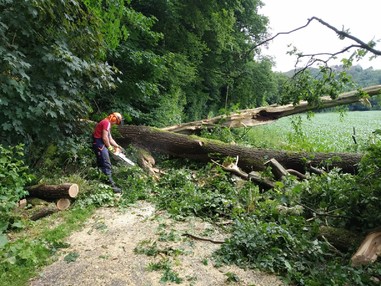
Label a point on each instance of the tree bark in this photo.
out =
(43, 211)
(264, 115)
(250, 159)
(52, 192)
(340, 238)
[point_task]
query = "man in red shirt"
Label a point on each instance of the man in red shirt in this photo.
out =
(103, 143)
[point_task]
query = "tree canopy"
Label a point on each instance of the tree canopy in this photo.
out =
(159, 63)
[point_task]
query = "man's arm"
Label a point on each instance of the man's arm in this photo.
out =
(113, 142)
(105, 138)
(108, 140)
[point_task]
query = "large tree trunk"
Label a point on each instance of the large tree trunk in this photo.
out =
(268, 114)
(250, 159)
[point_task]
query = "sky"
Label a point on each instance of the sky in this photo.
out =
(362, 18)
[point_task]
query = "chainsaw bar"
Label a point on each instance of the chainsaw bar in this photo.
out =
(124, 158)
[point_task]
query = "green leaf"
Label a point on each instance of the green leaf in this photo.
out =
(71, 257)
(3, 240)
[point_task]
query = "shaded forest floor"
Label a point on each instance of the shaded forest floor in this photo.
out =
(142, 246)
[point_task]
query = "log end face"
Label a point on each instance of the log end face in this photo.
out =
(73, 190)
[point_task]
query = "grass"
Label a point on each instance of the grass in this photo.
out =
(34, 247)
(322, 132)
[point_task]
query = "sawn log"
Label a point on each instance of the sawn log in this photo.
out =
(52, 192)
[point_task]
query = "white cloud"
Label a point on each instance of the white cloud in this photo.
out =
(362, 18)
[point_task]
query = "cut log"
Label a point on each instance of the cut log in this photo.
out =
(22, 203)
(369, 250)
(36, 201)
(52, 192)
(43, 211)
(63, 204)
(251, 159)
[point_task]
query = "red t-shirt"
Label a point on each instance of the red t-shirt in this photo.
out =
(102, 125)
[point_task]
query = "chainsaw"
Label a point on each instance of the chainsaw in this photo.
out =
(119, 155)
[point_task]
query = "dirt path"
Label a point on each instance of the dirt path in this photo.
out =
(103, 253)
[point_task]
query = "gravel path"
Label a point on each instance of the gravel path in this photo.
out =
(104, 253)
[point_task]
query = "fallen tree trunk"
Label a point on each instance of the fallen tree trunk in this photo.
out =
(268, 114)
(340, 238)
(250, 159)
(52, 192)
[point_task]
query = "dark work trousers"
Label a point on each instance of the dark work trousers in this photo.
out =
(103, 157)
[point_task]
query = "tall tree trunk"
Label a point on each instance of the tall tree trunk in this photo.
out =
(250, 159)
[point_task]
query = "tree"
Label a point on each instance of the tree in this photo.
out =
(51, 59)
(209, 41)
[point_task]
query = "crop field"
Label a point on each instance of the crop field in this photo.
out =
(319, 132)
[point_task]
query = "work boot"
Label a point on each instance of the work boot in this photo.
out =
(114, 187)
(116, 190)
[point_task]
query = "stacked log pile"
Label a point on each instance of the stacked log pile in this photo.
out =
(48, 199)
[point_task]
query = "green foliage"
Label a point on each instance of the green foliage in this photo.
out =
(207, 194)
(369, 191)
(168, 274)
(311, 85)
(71, 257)
(20, 258)
(14, 175)
(280, 234)
(25, 254)
(46, 73)
(111, 13)
(204, 57)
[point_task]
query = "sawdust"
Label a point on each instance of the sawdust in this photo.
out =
(120, 248)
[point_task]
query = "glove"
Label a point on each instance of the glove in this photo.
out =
(111, 149)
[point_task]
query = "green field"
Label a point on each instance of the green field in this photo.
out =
(320, 132)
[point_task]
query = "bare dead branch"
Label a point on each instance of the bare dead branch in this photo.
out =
(203, 238)
(341, 34)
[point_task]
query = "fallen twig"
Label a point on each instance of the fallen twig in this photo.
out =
(203, 238)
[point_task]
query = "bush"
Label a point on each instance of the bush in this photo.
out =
(14, 175)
